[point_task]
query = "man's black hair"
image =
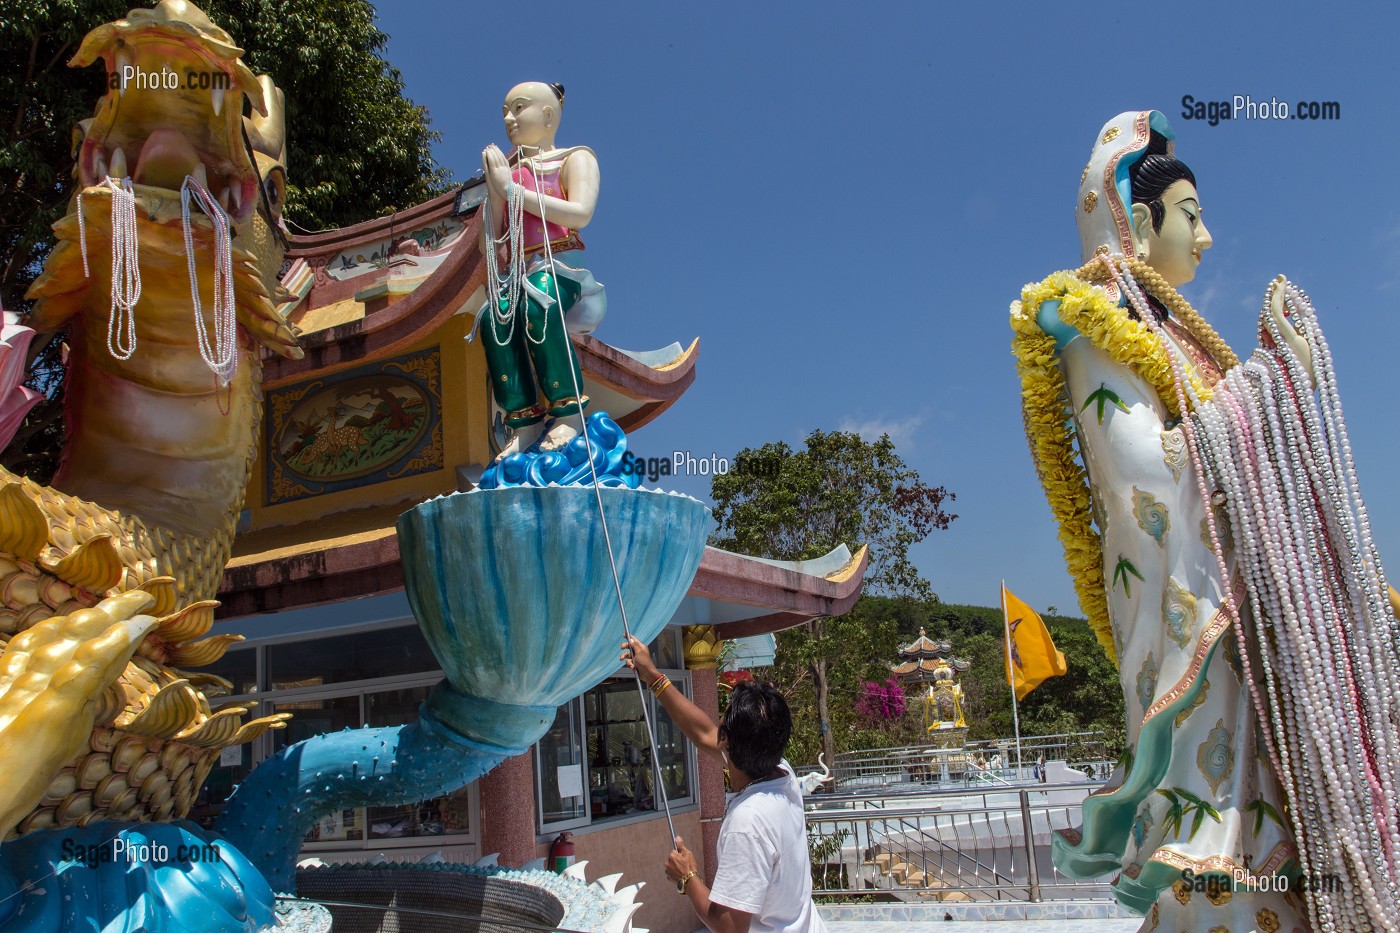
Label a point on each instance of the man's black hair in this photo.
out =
(758, 726)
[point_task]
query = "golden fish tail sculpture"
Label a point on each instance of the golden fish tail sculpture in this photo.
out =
(158, 452)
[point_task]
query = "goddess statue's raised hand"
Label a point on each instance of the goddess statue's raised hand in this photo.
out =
(51, 676)
(1296, 341)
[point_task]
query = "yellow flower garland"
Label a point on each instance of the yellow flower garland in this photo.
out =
(1050, 430)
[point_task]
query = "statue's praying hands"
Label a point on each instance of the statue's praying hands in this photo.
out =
(51, 676)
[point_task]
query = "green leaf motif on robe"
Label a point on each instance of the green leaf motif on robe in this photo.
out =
(1262, 808)
(1123, 568)
(1184, 804)
(1102, 395)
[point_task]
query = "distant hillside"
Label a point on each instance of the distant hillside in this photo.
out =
(1088, 698)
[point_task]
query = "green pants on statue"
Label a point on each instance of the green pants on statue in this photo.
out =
(536, 359)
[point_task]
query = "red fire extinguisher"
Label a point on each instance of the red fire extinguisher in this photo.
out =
(561, 853)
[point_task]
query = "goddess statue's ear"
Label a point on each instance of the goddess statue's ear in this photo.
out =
(1141, 227)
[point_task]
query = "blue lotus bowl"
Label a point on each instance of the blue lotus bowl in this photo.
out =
(514, 591)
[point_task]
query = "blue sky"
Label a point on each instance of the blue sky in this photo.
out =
(841, 203)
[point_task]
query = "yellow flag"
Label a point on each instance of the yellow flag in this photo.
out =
(1032, 657)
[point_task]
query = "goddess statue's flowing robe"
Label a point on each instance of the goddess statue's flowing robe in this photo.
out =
(1196, 795)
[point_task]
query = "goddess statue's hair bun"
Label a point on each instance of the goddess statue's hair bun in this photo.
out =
(558, 91)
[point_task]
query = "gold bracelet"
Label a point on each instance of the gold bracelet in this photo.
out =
(662, 689)
(680, 885)
(657, 682)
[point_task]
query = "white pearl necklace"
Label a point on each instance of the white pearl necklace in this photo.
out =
(509, 287)
(506, 289)
(222, 355)
(548, 260)
(1322, 629)
(126, 268)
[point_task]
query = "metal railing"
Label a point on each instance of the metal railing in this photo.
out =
(947, 845)
(927, 765)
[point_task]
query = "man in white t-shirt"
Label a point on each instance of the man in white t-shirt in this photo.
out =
(763, 880)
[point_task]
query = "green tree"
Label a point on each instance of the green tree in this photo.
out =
(789, 504)
(357, 148)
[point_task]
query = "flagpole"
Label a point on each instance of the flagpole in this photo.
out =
(1011, 680)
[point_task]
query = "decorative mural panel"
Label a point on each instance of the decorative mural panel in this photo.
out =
(366, 258)
(363, 426)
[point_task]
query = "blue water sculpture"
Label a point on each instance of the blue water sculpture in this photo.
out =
(569, 466)
(112, 876)
(513, 590)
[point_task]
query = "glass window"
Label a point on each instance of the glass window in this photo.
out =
(559, 757)
(399, 653)
(217, 787)
(664, 651)
(618, 751)
(450, 814)
(615, 755)
(671, 744)
(385, 652)
(311, 718)
(240, 666)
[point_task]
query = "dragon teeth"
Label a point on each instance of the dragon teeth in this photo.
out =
(216, 97)
(123, 63)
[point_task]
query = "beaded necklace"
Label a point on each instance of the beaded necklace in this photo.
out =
(221, 355)
(1322, 629)
(126, 269)
(508, 287)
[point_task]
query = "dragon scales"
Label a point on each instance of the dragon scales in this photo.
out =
(157, 453)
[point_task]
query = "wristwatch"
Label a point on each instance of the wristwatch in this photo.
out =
(680, 885)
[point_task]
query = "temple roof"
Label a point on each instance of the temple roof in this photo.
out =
(924, 669)
(923, 658)
(925, 647)
(345, 322)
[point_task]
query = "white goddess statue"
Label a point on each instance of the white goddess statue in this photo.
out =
(1198, 820)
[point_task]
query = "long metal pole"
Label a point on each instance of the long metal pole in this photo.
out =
(657, 775)
(1028, 830)
(1011, 680)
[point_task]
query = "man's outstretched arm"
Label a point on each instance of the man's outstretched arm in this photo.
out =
(692, 720)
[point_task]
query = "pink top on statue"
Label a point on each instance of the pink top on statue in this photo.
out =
(548, 183)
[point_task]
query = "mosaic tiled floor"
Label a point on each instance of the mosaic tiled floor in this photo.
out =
(984, 917)
(986, 926)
